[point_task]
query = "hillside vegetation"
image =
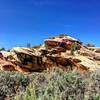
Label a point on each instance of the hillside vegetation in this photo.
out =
(56, 85)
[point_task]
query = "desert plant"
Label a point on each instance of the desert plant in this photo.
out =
(2, 49)
(90, 45)
(54, 85)
(11, 83)
(57, 86)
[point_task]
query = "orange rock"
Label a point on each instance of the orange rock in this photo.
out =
(22, 69)
(8, 68)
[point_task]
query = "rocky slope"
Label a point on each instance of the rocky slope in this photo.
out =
(64, 52)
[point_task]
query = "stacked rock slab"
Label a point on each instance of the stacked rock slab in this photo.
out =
(55, 52)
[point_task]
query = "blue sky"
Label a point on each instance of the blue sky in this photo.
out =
(32, 21)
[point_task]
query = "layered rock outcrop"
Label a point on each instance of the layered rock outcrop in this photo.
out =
(64, 52)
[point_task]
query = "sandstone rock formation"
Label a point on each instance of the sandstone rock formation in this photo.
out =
(63, 51)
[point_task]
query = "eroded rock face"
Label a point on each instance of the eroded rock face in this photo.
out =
(97, 57)
(6, 65)
(50, 55)
(22, 60)
(67, 64)
(97, 50)
(89, 64)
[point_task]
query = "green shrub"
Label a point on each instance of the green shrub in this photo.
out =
(56, 85)
(11, 83)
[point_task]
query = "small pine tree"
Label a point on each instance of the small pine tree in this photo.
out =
(90, 45)
(2, 49)
(28, 45)
(61, 35)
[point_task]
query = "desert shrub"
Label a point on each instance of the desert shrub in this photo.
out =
(2, 49)
(90, 45)
(93, 88)
(11, 83)
(57, 85)
(62, 35)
